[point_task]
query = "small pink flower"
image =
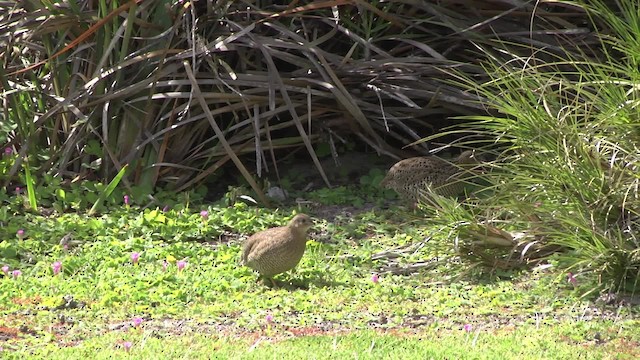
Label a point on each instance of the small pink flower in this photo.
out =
(375, 278)
(572, 280)
(56, 266)
(181, 264)
(137, 321)
(5, 270)
(468, 327)
(126, 199)
(18, 190)
(127, 345)
(8, 151)
(16, 273)
(135, 256)
(20, 234)
(269, 318)
(204, 214)
(165, 264)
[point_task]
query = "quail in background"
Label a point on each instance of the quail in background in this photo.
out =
(414, 176)
(276, 250)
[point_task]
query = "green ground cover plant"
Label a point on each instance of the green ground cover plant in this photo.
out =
(150, 283)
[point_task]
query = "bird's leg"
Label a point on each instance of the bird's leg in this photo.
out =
(264, 278)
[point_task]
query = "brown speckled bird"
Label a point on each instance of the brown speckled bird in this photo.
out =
(415, 177)
(276, 250)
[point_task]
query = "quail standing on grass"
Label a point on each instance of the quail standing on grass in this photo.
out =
(276, 250)
(412, 177)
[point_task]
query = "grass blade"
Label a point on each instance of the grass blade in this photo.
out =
(107, 192)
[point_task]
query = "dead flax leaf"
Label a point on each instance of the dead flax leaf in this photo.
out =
(333, 83)
(220, 135)
(291, 107)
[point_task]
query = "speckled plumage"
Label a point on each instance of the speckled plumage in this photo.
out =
(276, 250)
(414, 177)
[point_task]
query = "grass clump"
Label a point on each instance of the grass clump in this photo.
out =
(564, 160)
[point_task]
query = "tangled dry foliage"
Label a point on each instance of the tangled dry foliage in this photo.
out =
(178, 89)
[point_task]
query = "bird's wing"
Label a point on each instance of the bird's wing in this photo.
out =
(414, 170)
(256, 243)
